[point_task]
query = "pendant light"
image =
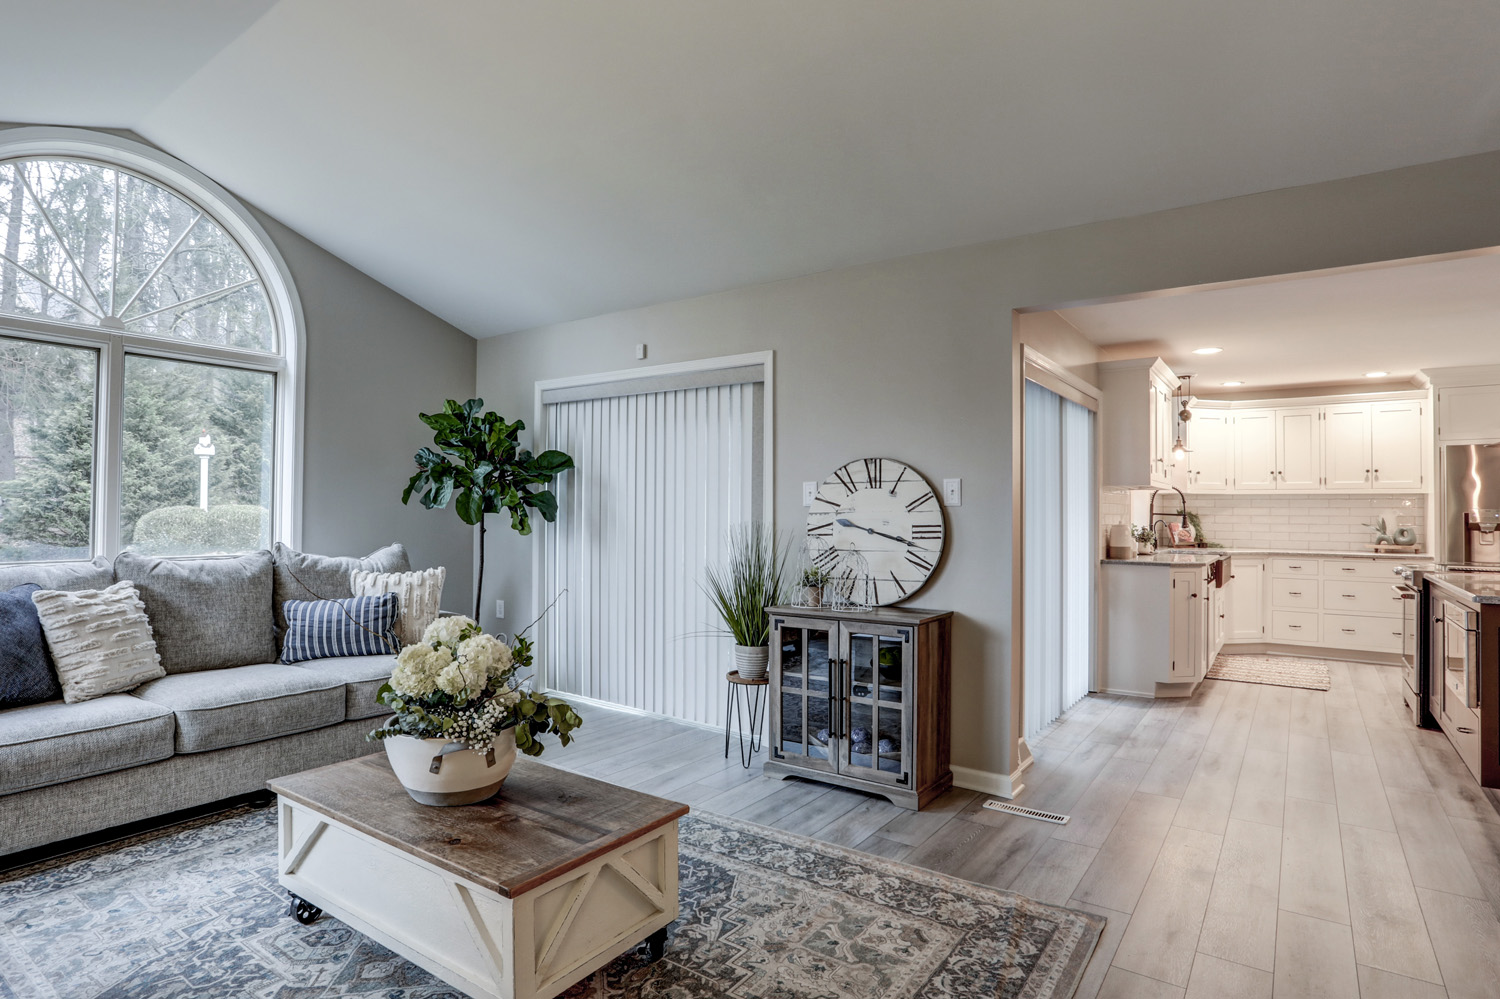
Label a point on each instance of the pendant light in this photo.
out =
(1180, 449)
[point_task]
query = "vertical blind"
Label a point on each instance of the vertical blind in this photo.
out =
(1058, 554)
(660, 478)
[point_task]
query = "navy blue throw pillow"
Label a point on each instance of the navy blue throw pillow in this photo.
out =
(356, 626)
(26, 673)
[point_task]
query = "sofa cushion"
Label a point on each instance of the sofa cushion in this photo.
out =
(242, 704)
(95, 575)
(51, 743)
(26, 672)
(100, 640)
(362, 677)
(206, 613)
(300, 576)
(420, 591)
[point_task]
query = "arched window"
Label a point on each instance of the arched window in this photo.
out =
(150, 355)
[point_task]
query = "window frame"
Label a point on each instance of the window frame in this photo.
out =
(286, 362)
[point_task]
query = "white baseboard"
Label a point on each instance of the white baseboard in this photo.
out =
(989, 782)
(579, 699)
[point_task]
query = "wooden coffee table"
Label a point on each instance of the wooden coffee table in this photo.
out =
(514, 898)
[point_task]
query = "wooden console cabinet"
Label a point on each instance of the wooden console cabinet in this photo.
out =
(861, 699)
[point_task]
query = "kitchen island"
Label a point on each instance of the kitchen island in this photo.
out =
(1464, 659)
(1162, 629)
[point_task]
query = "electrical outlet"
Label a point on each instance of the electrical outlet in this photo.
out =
(500, 609)
(640, 352)
(953, 492)
(809, 491)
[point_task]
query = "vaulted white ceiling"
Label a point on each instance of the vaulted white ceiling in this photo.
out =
(507, 164)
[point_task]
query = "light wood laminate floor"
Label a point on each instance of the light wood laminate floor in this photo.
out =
(1251, 841)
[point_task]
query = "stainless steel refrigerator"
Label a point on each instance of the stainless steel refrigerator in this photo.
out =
(1471, 505)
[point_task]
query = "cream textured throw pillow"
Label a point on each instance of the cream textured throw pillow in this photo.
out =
(100, 640)
(420, 593)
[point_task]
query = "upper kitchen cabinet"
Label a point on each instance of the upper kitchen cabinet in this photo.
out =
(1254, 449)
(1209, 466)
(1468, 403)
(1138, 421)
(1297, 447)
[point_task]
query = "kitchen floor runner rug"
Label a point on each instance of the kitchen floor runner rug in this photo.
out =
(1281, 671)
(195, 911)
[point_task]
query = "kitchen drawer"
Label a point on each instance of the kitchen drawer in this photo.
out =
(1369, 634)
(1293, 593)
(1300, 627)
(1353, 568)
(1294, 567)
(1361, 596)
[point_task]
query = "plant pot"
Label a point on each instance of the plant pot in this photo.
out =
(812, 596)
(440, 772)
(752, 660)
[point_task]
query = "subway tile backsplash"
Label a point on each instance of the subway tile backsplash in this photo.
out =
(1325, 522)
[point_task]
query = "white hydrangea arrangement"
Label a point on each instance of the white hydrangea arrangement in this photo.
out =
(465, 686)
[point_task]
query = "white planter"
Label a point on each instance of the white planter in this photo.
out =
(462, 776)
(752, 660)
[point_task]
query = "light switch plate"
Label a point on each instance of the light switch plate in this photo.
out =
(500, 609)
(953, 492)
(640, 352)
(809, 490)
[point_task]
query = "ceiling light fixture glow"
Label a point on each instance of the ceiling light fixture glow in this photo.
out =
(1232, 384)
(1376, 374)
(1209, 350)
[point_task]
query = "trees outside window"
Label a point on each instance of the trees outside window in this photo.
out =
(138, 340)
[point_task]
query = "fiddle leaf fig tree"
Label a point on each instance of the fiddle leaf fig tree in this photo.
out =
(480, 466)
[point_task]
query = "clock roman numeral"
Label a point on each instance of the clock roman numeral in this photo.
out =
(824, 499)
(873, 472)
(919, 562)
(826, 558)
(824, 531)
(845, 479)
(898, 584)
(927, 532)
(919, 502)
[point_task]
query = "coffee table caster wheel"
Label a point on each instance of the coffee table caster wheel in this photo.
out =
(304, 911)
(656, 945)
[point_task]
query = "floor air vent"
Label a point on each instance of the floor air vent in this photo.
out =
(1030, 813)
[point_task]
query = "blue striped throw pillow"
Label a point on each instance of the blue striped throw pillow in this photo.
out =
(358, 626)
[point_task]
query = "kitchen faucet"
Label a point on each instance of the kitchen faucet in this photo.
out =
(1151, 513)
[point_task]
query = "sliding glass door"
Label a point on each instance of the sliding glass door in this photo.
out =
(1059, 554)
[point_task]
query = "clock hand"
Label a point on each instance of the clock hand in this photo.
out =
(846, 522)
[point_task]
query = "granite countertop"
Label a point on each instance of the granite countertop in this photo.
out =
(1482, 587)
(1177, 556)
(1205, 556)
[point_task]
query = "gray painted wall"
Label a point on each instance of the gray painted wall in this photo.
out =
(374, 360)
(913, 359)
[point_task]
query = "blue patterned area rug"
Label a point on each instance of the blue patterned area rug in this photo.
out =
(195, 911)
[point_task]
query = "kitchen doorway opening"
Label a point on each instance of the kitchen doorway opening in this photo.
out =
(1059, 550)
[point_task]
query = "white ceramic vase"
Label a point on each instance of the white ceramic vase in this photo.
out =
(752, 660)
(439, 772)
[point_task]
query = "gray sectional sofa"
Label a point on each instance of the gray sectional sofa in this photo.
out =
(225, 718)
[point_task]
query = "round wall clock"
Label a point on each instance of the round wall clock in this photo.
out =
(876, 525)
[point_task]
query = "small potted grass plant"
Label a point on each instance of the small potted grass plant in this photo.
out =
(752, 577)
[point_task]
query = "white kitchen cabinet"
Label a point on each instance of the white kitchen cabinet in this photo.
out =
(1468, 414)
(1218, 609)
(1255, 450)
(1158, 635)
(1137, 422)
(1245, 601)
(1397, 455)
(1210, 459)
(1347, 431)
(1299, 448)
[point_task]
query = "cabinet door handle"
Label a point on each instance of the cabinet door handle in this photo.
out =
(1347, 631)
(1347, 568)
(1349, 596)
(1295, 627)
(1294, 593)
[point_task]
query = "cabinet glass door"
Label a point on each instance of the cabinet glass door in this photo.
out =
(805, 671)
(876, 731)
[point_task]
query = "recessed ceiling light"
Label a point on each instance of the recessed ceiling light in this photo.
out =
(1208, 350)
(1233, 384)
(1376, 374)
